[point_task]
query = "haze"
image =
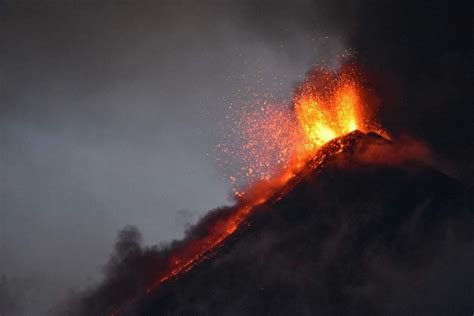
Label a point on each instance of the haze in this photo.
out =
(110, 116)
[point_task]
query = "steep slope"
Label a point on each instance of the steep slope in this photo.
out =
(366, 228)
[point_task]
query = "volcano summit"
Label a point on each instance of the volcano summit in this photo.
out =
(367, 227)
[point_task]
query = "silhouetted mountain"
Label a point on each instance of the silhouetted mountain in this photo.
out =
(367, 229)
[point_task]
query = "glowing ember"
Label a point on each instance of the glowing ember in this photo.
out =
(274, 142)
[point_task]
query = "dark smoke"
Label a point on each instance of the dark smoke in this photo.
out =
(131, 268)
(420, 54)
(8, 296)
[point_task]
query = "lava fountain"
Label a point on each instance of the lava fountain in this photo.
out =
(272, 138)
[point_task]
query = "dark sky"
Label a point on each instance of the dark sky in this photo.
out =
(109, 116)
(110, 109)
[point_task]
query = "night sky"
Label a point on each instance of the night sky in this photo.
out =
(109, 112)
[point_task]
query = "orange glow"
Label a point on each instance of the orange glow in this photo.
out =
(323, 120)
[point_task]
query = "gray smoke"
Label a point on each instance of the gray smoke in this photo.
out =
(108, 117)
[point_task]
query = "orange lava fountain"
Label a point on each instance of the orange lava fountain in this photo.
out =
(278, 138)
(272, 145)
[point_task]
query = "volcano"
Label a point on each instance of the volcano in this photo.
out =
(366, 228)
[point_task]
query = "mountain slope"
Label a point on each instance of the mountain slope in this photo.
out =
(368, 229)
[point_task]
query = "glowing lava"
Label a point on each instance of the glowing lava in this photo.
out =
(324, 117)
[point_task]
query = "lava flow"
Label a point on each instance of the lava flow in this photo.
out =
(272, 144)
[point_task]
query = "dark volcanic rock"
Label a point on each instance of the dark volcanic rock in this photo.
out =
(371, 231)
